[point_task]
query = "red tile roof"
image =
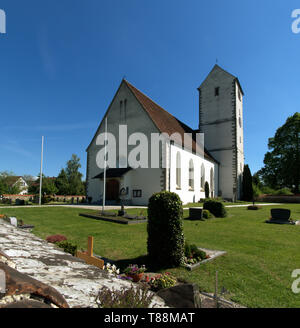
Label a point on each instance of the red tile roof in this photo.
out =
(163, 120)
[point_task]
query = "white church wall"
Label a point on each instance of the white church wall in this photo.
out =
(184, 192)
(136, 119)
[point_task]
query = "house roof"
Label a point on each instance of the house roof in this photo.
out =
(164, 121)
(113, 173)
(11, 180)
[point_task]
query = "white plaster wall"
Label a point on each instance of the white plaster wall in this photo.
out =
(219, 134)
(184, 193)
(137, 120)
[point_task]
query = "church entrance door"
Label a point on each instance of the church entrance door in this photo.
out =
(112, 189)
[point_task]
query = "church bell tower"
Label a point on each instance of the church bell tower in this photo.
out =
(221, 121)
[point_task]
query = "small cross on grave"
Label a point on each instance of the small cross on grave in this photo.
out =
(88, 256)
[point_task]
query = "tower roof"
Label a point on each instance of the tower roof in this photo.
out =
(217, 67)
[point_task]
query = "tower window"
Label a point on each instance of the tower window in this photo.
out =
(217, 91)
(240, 95)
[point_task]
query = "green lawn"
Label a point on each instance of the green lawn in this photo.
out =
(256, 270)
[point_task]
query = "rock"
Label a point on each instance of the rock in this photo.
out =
(26, 305)
(21, 284)
(181, 296)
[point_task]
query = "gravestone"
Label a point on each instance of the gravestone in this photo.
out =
(280, 216)
(195, 213)
(14, 221)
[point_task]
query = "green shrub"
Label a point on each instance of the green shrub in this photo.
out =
(207, 214)
(187, 250)
(216, 208)
(68, 247)
(165, 242)
(267, 190)
(283, 192)
(206, 188)
(131, 298)
(247, 184)
(197, 253)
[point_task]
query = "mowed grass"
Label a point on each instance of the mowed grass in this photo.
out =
(256, 271)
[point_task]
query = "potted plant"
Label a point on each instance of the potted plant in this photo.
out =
(135, 272)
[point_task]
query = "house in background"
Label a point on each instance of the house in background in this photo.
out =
(220, 119)
(19, 182)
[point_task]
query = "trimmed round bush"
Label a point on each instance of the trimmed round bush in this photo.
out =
(165, 230)
(216, 208)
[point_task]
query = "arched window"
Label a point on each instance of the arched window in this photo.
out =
(178, 170)
(202, 176)
(212, 187)
(191, 174)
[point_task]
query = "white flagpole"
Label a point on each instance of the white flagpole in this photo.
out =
(41, 172)
(104, 176)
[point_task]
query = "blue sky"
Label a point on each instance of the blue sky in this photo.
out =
(62, 61)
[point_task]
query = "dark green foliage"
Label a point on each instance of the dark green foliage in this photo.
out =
(68, 247)
(8, 184)
(62, 183)
(206, 188)
(192, 251)
(131, 298)
(165, 230)
(207, 214)
(48, 187)
(282, 162)
(187, 250)
(247, 184)
(76, 186)
(216, 208)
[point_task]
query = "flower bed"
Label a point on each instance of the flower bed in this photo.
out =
(210, 256)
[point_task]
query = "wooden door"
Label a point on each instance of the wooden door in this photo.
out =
(112, 189)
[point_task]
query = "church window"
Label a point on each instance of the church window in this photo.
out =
(137, 193)
(121, 106)
(191, 175)
(217, 91)
(125, 109)
(178, 170)
(202, 176)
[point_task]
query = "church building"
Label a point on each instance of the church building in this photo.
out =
(186, 171)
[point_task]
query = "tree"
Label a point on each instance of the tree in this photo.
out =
(206, 189)
(282, 162)
(48, 186)
(62, 183)
(247, 184)
(76, 186)
(8, 183)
